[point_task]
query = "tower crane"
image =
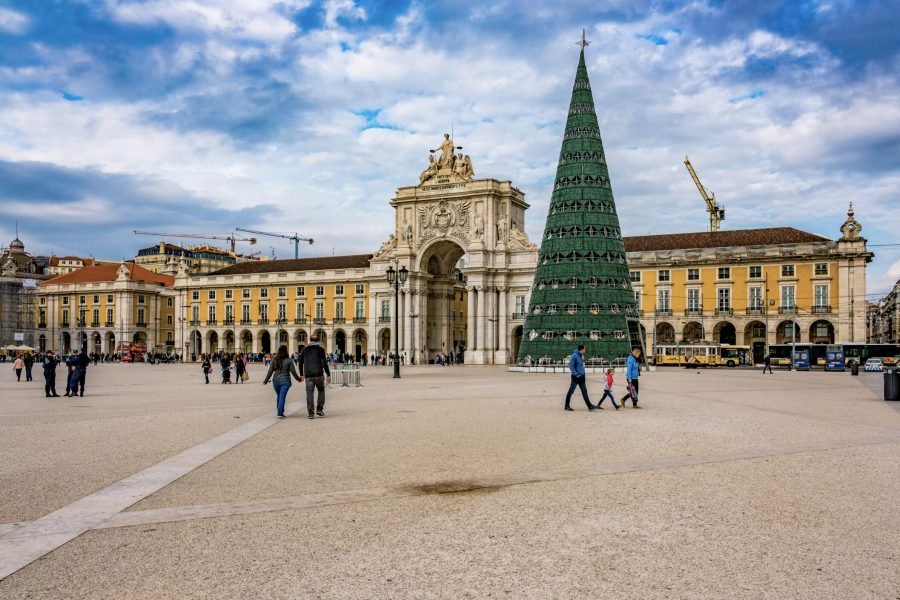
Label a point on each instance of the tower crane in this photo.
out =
(200, 236)
(296, 238)
(716, 213)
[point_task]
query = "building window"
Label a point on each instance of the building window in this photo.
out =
(141, 314)
(95, 316)
(195, 313)
(663, 298)
(724, 272)
(755, 300)
(245, 294)
(520, 304)
(320, 310)
(338, 290)
(635, 276)
(65, 300)
(170, 337)
(263, 292)
(169, 319)
(663, 275)
(141, 299)
(229, 294)
(385, 309)
(211, 294)
(787, 270)
(82, 300)
(339, 309)
(229, 312)
(755, 272)
(693, 274)
(360, 310)
(282, 292)
(263, 312)
(693, 300)
(301, 310)
(96, 299)
(109, 315)
(787, 296)
(821, 268)
(211, 312)
(42, 301)
(724, 299)
(65, 317)
(301, 291)
(360, 289)
(282, 312)
(195, 295)
(170, 302)
(637, 300)
(320, 290)
(821, 296)
(245, 312)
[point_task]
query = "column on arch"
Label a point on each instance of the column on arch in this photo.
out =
(470, 319)
(502, 299)
(479, 321)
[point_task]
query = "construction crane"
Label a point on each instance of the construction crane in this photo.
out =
(716, 213)
(200, 236)
(296, 238)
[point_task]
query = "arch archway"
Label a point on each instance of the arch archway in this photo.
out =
(384, 341)
(196, 343)
(284, 338)
(42, 343)
(360, 343)
(246, 342)
(212, 342)
(725, 333)
(756, 337)
(692, 333)
(516, 341)
(783, 333)
(436, 265)
(665, 333)
(66, 342)
(821, 332)
(265, 341)
(83, 341)
(300, 339)
(340, 341)
(139, 338)
(323, 339)
(110, 343)
(228, 341)
(98, 343)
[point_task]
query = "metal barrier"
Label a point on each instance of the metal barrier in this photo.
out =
(345, 375)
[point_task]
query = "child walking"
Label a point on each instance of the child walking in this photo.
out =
(607, 390)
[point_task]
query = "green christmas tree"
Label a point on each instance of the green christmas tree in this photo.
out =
(582, 291)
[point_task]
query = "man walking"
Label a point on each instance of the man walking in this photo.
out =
(632, 372)
(81, 364)
(314, 370)
(49, 363)
(767, 363)
(576, 368)
(29, 363)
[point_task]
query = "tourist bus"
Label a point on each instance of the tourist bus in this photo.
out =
(702, 355)
(858, 353)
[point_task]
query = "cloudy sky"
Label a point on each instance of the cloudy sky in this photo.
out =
(302, 115)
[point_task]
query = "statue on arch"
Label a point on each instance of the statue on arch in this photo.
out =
(447, 147)
(430, 171)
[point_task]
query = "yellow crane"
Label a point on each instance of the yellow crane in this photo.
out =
(716, 213)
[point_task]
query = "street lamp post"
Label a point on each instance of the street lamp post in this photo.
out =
(396, 278)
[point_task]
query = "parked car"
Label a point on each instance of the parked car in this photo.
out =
(874, 364)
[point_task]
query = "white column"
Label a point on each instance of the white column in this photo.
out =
(470, 323)
(405, 320)
(502, 347)
(479, 324)
(372, 328)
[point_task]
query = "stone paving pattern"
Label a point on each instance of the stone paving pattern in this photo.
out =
(465, 482)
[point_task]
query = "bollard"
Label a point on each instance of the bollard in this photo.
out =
(854, 368)
(891, 385)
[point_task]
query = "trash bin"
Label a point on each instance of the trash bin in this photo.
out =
(854, 368)
(891, 384)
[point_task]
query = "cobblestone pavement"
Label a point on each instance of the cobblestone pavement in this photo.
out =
(457, 482)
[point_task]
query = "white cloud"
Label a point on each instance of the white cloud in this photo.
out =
(12, 21)
(335, 9)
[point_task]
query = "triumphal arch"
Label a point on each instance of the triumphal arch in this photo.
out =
(470, 263)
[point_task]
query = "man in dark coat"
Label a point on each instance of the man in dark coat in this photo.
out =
(314, 369)
(49, 363)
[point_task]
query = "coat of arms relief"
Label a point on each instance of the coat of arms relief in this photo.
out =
(444, 219)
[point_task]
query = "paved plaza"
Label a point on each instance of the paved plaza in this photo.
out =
(460, 482)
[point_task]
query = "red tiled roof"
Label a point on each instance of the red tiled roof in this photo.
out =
(705, 239)
(108, 272)
(355, 261)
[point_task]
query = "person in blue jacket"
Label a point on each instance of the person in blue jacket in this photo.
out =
(576, 368)
(632, 372)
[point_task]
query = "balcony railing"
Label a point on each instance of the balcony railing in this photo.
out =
(821, 309)
(228, 322)
(82, 323)
(384, 319)
(140, 324)
(724, 312)
(95, 323)
(319, 321)
(787, 310)
(109, 324)
(64, 324)
(517, 316)
(264, 321)
(246, 322)
(667, 312)
(299, 321)
(195, 322)
(212, 322)
(756, 310)
(693, 312)
(42, 325)
(338, 320)
(359, 319)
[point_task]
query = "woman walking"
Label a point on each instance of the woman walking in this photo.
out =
(239, 368)
(207, 367)
(280, 371)
(17, 367)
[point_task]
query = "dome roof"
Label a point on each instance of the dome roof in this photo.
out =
(17, 246)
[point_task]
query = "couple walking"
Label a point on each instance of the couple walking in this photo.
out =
(315, 372)
(632, 372)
